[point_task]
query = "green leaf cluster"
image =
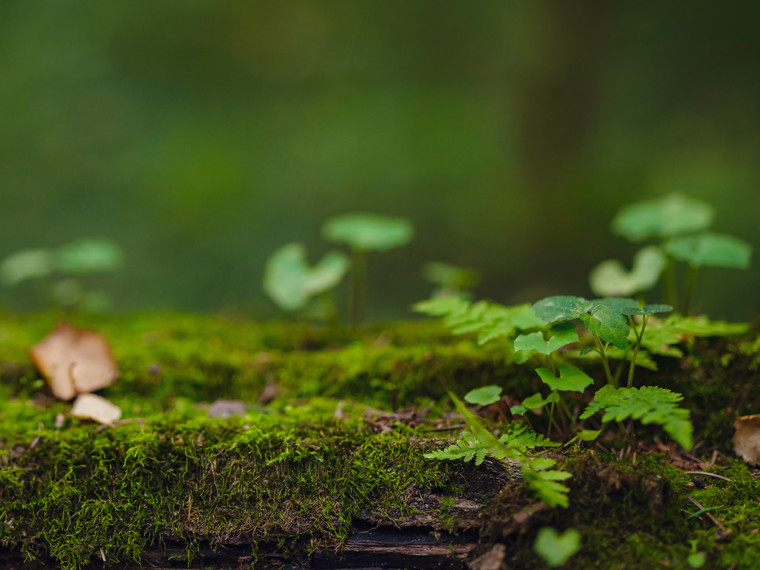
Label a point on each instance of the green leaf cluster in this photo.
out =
(649, 404)
(489, 320)
(518, 437)
(680, 225)
(604, 318)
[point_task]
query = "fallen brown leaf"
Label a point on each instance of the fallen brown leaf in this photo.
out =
(93, 407)
(747, 438)
(74, 361)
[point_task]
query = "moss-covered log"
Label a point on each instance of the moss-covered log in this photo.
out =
(312, 477)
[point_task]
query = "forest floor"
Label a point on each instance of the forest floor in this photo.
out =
(288, 445)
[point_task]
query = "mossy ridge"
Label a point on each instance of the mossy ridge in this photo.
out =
(254, 479)
(205, 358)
(637, 517)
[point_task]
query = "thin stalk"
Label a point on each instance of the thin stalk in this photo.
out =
(358, 285)
(689, 281)
(669, 283)
(328, 308)
(639, 336)
(551, 417)
(605, 362)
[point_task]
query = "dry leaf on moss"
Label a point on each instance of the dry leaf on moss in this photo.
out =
(74, 361)
(747, 438)
(93, 407)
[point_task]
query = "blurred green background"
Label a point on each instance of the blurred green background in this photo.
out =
(202, 135)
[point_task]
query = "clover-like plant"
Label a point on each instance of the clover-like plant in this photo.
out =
(292, 284)
(66, 269)
(679, 223)
(554, 548)
(450, 280)
(364, 233)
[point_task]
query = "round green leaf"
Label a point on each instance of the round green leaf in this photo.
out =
(665, 217)
(717, 250)
(589, 434)
(290, 282)
(561, 335)
(612, 279)
(556, 549)
(536, 400)
(284, 275)
(326, 274)
(609, 324)
(560, 308)
(483, 396)
(27, 264)
(368, 231)
(571, 379)
(88, 256)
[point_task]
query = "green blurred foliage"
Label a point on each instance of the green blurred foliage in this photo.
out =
(202, 135)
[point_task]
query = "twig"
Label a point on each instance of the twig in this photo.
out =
(705, 511)
(710, 474)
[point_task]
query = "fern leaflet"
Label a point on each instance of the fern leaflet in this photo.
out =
(650, 404)
(489, 320)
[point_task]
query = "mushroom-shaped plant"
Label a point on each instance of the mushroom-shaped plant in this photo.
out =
(291, 283)
(363, 233)
(680, 224)
(707, 249)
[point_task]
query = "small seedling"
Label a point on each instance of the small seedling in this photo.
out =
(680, 224)
(554, 548)
(364, 233)
(292, 284)
(68, 267)
(450, 280)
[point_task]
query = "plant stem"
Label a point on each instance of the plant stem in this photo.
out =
(605, 362)
(328, 307)
(639, 336)
(358, 285)
(551, 417)
(689, 281)
(669, 283)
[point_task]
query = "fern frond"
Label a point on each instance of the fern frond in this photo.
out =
(649, 404)
(489, 320)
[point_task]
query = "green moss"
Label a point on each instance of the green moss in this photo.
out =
(80, 491)
(290, 474)
(205, 358)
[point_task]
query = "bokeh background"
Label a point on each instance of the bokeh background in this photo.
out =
(200, 135)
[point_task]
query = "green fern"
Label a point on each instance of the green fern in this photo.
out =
(489, 320)
(513, 445)
(469, 447)
(650, 404)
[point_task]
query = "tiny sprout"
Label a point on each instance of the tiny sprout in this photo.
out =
(554, 548)
(363, 233)
(291, 283)
(450, 279)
